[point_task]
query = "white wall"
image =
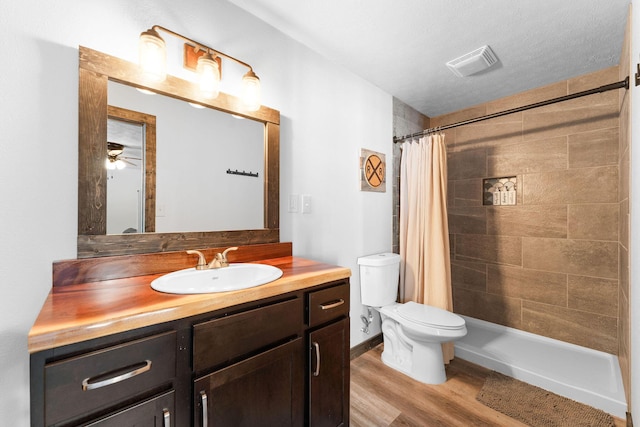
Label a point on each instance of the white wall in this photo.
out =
(634, 207)
(327, 116)
(320, 156)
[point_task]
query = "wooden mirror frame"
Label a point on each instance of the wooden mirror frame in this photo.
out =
(95, 70)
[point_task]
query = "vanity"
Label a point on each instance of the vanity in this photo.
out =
(108, 350)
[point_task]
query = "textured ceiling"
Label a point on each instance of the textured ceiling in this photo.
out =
(402, 46)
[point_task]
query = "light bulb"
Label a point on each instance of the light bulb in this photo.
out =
(109, 164)
(251, 91)
(153, 55)
(209, 76)
(120, 164)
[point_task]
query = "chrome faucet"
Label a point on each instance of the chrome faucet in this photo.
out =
(220, 259)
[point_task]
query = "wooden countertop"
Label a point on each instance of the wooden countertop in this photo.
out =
(83, 311)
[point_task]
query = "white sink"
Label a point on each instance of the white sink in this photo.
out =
(231, 278)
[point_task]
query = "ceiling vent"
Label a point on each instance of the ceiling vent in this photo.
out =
(473, 62)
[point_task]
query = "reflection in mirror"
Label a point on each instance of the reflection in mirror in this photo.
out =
(131, 141)
(194, 150)
(125, 176)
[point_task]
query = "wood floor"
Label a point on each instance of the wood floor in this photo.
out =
(380, 396)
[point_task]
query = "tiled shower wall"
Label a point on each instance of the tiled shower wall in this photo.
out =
(624, 326)
(548, 265)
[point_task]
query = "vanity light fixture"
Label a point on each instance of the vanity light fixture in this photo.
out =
(209, 76)
(153, 55)
(251, 91)
(153, 60)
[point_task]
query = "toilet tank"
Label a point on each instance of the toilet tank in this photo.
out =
(379, 277)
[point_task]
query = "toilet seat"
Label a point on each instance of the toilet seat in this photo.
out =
(427, 315)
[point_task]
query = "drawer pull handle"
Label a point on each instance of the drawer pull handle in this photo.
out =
(205, 420)
(316, 371)
(166, 416)
(335, 304)
(94, 383)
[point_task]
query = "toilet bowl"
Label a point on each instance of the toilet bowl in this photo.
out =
(413, 333)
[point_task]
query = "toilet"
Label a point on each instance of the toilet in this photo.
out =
(413, 333)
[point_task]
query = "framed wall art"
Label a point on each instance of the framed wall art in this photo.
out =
(372, 171)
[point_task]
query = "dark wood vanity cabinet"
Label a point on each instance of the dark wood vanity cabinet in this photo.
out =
(281, 361)
(257, 361)
(328, 356)
(97, 384)
(280, 382)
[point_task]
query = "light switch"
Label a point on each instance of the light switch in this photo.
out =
(306, 203)
(293, 203)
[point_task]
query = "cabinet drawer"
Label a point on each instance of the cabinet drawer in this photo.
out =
(220, 340)
(156, 412)
(98, 380)
(328, 304)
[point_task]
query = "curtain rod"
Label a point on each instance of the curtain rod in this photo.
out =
(618, 85)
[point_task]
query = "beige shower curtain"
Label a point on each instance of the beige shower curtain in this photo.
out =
(425, 274)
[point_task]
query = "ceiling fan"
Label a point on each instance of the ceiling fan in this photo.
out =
(115, 159)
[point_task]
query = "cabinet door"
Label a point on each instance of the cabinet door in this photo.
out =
(329, 375)
(264, 390)
(156, 412)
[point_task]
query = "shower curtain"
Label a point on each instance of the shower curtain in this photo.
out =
(425, 272)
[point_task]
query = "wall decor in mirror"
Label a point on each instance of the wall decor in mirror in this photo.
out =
(206, 143)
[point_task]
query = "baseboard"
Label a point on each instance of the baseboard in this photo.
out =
(365, 346)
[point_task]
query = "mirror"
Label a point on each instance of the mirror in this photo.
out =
(98, 72)
(205, 160)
